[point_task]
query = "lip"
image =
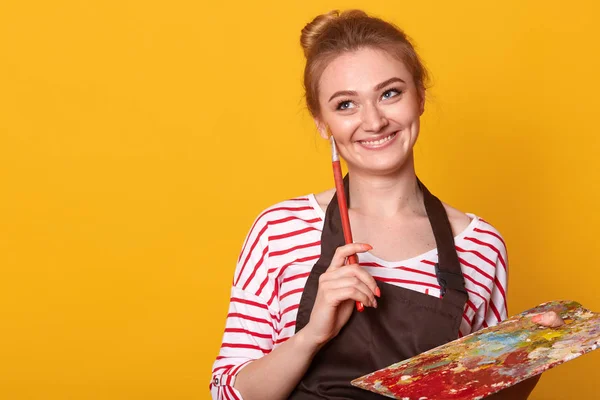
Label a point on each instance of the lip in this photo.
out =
(379, 146)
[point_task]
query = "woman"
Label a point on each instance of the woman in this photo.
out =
(291, 330)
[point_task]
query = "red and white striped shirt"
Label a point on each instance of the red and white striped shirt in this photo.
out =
(278, 254)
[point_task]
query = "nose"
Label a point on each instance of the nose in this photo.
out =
(373, 119)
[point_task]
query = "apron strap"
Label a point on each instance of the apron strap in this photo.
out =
(447, 269)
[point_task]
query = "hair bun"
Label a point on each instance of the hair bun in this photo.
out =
(314, 28)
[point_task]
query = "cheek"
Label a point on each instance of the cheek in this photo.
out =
(405, 115)
(343, 126)
(349, 124)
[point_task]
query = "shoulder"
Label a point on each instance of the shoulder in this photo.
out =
(324, 198)
(282, 215)
(475, 232)
(482, 239)
(459, 221)
(486, 234)
(277, 225)
(298, 207)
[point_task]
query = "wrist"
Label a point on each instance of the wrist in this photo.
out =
(307, 342)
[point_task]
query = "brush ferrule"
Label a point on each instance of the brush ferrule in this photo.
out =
(334, 152)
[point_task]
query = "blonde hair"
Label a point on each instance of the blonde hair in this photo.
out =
(333, 33)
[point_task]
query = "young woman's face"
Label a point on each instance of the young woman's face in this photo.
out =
(370, 103)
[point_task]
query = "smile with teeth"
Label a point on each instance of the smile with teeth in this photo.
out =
(378, 142)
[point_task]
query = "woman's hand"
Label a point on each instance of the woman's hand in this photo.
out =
(548, 319)
(339, 288)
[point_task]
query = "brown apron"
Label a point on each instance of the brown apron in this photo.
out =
(405, 323)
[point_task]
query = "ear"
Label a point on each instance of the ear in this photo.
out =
(422, 101)
(322, 128)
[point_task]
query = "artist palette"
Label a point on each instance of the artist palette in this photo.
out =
(491, 359)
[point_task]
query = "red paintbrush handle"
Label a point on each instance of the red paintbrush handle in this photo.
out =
(341, 196)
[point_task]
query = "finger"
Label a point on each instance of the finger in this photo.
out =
(337, 296)
(343, 252)
(549, 319)
(360, 273)
(351, 281)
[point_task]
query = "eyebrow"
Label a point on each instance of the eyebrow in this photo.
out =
(376, 88)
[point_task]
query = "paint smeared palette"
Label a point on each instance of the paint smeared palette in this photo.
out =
(492, 359)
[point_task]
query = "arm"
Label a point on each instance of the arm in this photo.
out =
(250, 329)
(248, 335)
(249, 364)
(275, 375)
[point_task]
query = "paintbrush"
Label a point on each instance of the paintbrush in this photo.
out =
(341, 196)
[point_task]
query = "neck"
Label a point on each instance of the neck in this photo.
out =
(386, 195)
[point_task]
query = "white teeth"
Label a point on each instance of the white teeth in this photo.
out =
(380, 141)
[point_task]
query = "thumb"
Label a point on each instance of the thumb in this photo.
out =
(549, 319)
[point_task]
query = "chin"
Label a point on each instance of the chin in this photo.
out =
(387, 165)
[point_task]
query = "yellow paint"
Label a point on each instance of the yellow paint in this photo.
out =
(552, 334)
(122, 219)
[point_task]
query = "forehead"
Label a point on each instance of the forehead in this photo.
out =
(361, 70)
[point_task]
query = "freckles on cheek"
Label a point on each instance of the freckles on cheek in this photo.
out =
(344, 126)
(348, 124)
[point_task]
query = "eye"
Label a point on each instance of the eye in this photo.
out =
(343, 105)
(391, 93)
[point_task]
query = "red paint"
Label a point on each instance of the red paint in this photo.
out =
(516, 358)
(438, 383)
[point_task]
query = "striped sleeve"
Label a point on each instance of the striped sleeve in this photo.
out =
(495, 309)
(250, 327)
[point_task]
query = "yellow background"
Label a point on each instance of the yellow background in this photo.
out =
(139, 140)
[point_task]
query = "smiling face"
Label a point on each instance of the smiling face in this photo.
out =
(370, 103)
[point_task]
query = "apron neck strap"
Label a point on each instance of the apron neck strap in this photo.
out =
(447, 269)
